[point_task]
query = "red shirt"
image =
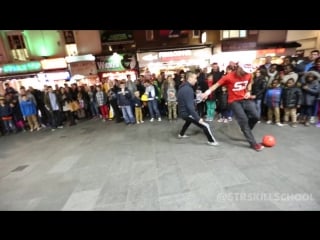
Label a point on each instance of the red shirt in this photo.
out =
(237, 86)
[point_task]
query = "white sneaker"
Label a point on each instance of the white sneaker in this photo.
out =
(183, 136)
(279, 124)
(312, 119)
(213, 143)
(229, 119)
(159, 119)
(152, 119)
(269, 122)
(142, 121)
(138, 122)
(220, 120)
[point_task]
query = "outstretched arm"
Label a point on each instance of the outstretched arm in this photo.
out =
(210, 90)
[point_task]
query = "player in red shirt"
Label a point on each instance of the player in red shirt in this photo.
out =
(239, 83)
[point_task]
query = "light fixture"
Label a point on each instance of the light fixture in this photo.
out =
(203, 37)
(110, 48)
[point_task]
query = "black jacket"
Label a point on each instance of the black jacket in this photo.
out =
(186, 103)
(291, 97)
(259, 87)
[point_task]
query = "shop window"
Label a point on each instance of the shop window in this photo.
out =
(71, 50)
(196, 33)
(17, 47)
(226, 34)
(149, 35)
(68, 37)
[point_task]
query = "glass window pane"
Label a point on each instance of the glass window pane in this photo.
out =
(243, 33)
(234, 33)
(225, 34)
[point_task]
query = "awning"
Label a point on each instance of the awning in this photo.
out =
(18, 76)
(173, 48)
(278, 45)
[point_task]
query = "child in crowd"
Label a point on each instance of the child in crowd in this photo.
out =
(291, 99)
(310, 92)
(171, 101)
(272, 101)
(29, 111)
(6, 116)
(222, 104)
(138, 107)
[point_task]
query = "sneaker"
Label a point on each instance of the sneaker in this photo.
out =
(159, 119)
(152, 119)
(312, 119)
(229, 119)
(279, 124)
(225, 120)
(60, 126)
(138, 122)
(220, 120)
(183, 136)
(213, 143)
(142, 121)
(269, 122)
(294, 125)
(258, 147)
(259, 121)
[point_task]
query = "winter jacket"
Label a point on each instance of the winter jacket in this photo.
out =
(272, 97)
(291, 97)
(186, 103)
(259, 87)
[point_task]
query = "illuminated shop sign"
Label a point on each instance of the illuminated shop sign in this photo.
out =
(53, 76)
(85, 68)
(116, 62)
(72, 59)
(21, 67)
(55, 63)
(175, 56)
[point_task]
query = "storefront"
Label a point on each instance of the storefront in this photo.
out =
(224, 58)
(19, 74)
(254, 57)
(117, 66)
(173, 61)
(277, 54)
(55, 72)
(83, 69)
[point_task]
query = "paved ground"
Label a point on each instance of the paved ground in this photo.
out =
(109, 166)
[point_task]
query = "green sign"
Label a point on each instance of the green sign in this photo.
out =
(116, 37)
(116, 62)
(21, 67)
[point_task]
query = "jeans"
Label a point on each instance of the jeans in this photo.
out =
(258, 106)
(94, 109)
(247, 116)
(153, 108)
(127, 114)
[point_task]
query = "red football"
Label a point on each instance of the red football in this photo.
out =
(268, 141)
